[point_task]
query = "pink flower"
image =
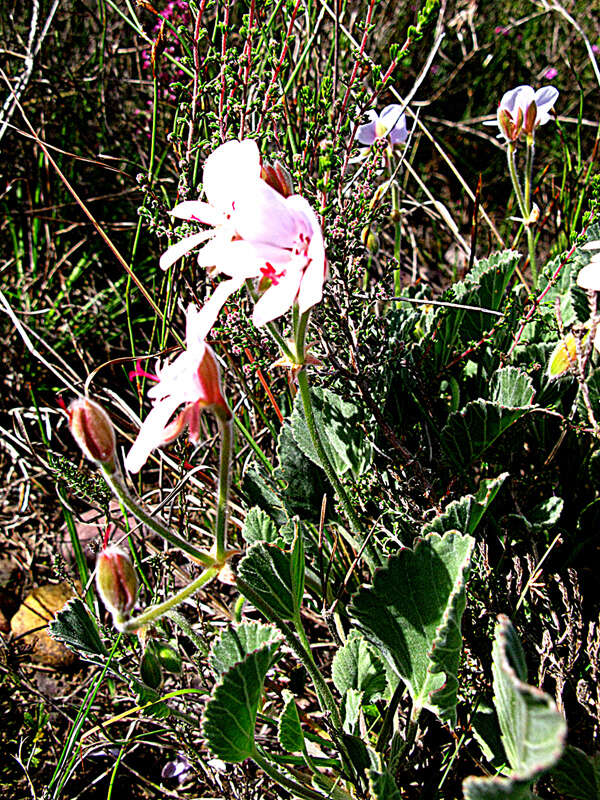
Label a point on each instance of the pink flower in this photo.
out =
(192, 380)
(257, 233)
(283, 236)
(522, 110)
(227, 171)
(391, 123)
(551, 73)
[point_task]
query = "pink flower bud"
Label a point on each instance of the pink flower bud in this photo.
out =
(116, 581)
(92, 430)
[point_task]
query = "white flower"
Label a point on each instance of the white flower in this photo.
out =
(522, 110)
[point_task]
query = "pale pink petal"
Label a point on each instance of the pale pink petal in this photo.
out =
(151, 433)
(198, 211)
(183, 246)
(367, 134)
(237, 258)
(545, 99)
(279, 298)
(227, 168)
(207, 315)
(311, 286)
(589, 277)
(395, 123)
(262, 215)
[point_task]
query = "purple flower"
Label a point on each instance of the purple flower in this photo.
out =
(522, 110)
(391, 124)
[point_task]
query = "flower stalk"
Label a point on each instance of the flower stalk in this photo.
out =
(155, 612)
(115, 481)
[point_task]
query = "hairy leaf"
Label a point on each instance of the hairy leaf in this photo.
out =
(469, 432)
(266, 569)
(235, 642)
(412, 614)
(230, 715)
(465, 514)
(533, 731)
(357, 666)
(289, 730)
(259, 527)
(340, 426)
(577, 775)
(75, 628)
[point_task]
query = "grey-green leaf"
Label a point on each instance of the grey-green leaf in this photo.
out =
(412, 614)
(533, 731)
(466, 514)
(383, 786)
(266, 569)
(289, 730)
(297, 569)
(357, 666)
(230, 715)
(351, 710)
(496, 789)
(234, 644)
(259, 527)
(340, 425)
(577, 775)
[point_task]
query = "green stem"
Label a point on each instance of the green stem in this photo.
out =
(528, 208)
(226, 429)
(512, 169)
(326, 699)
(311, 424)
(297, 789)
(155, 612)
(300, 336)
(185, 626)
(388, 720)
(114, 480)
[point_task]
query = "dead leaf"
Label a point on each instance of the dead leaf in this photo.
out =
(30, 624)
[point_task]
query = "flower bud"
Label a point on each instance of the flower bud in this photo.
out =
(92, 430)
(209, 378)
(278, 178)
(116, 582)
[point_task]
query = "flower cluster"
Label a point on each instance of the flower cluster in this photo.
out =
(255, 230)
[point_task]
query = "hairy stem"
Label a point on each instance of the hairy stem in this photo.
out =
(115, 481)
(226, 429)
(329, 470)
(155, 612)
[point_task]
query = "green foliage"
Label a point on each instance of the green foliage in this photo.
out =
(235, 643)
(339, 423)
(357, 666)
(577, 775)
(75, 628)
(415, 626)
(289, 730)
(532, 730)
(230, 714)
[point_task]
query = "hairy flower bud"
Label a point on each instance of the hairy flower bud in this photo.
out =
(117, 582)
(92, 430)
